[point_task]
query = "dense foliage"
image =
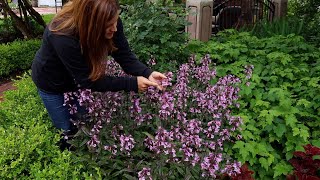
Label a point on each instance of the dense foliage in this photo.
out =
(156, 31)
(281, 106)
(309, 12)
(17, 55)
(9, 33)
(28, 141)
(283, 26)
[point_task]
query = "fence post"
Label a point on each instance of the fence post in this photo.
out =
(281, 8)
(200, 16)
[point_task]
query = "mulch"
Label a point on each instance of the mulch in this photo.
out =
(6, 83)
(5, 87)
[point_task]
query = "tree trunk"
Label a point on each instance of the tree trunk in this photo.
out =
(36, 16)
(20, 24)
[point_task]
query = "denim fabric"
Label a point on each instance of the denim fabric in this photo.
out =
(58, 113)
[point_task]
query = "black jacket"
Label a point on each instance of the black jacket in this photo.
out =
(59, 65)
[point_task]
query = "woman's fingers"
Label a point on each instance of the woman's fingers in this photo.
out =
(157, 75)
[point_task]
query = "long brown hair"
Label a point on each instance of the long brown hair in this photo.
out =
(88, 20)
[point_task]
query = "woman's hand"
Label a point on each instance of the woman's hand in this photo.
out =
(144, 83)
(155, 77)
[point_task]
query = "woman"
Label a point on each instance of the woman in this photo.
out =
(71, 56)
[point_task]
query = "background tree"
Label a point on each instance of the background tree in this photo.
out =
(309, 12)
(22, 21)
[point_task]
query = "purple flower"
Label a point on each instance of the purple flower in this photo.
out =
(210, 164)
(126, 143)
(145, 174)
(248, 71)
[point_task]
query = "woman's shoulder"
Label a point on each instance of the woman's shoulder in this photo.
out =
(59, 38)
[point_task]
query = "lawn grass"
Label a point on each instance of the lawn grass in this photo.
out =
(47, 17)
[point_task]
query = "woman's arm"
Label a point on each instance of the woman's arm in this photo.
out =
(69, 52)
(125, 57)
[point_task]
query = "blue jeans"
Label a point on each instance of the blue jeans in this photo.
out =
(58, 113)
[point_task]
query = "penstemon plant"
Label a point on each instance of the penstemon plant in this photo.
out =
(176, 133)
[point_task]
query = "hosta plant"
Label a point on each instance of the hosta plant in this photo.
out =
(173, 134)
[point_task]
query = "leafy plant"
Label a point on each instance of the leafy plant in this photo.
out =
(28, 141)
(306, 164)
(309, 12)
(17, 55)
(280, 108)
(156, 31)
(178, 133)
(283, 26)
(8, 31)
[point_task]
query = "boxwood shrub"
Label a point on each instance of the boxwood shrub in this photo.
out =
(28, 141)
(17, 55)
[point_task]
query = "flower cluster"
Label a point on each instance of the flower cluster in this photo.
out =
(126, 143)
(188, 123)
(145, 174)
(200, 117)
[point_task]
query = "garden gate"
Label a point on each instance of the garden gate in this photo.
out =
(239, 13)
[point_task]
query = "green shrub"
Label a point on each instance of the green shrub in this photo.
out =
(151, 31)
(8, 32)
(17, 55)
(22, 102)
(47, 17)
(309, 12)
(281, 106)
(28, 141)
(283, 26)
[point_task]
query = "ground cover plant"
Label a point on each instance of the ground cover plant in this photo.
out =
(28, 141)
(175, 134)
(280, 108)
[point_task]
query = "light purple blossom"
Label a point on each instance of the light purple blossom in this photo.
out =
(126, 143)
(193, 117)
(248, 71)
(145, 174)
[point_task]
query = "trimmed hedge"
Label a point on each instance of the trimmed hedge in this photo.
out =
(28, 141)
(17, 55)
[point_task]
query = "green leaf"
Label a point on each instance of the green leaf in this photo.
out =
(295, 131)
(262, 103)
(282, 168)
(264, 163)
(304, 102)
(242, 150)
(280, 129)
(129, 177)
(316, 142)
(149, 135)
(291, 120)
(180, 170)
(316, 157)
(304, 134)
